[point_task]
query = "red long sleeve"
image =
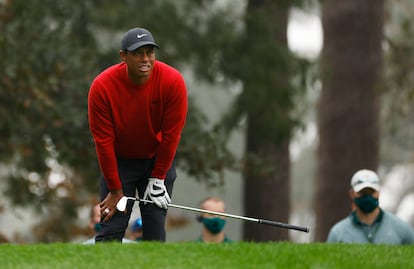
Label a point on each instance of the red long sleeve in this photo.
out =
(137, 122)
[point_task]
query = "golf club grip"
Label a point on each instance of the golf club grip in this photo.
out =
(284, 225)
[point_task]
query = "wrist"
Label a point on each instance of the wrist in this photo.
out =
(117, 192)
(156, 178)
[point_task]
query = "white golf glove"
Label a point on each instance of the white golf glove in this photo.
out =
(157, 192)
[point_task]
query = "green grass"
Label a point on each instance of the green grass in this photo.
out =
(198, 255)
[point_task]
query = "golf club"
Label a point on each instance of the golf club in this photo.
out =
(121, 205)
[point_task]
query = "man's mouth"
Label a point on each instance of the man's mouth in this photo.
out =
(144, 68)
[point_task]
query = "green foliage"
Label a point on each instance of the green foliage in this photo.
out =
(44, 86)
(262, 63)
(47, 67)
(399, 71)
(204, 153)
(198, 255)
(398, 89)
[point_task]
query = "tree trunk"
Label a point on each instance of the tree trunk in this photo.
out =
(266, 174)
(348, 112)
(267, 194)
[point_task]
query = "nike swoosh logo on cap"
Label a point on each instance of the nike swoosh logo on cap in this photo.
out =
(142, 35)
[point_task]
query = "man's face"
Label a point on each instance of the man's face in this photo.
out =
(140, 63)
(95, 217)
(212, 205)
(366, 200)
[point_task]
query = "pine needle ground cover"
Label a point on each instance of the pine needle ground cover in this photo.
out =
(198, 255)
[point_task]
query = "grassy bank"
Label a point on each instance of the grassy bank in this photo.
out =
(198, 255)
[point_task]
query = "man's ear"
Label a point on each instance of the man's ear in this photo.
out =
(122, 55)
(351, 194)
(199, 218)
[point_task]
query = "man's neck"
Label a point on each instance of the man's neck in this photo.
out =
(212, 238)
(367, 218)
(139, 80)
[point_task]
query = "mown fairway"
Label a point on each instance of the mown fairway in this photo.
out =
(198, 255)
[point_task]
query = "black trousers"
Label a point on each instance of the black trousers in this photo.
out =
(134, 174)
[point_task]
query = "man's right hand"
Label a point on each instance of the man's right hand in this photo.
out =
(108, 205)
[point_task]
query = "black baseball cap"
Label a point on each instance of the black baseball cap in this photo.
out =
(136, 38)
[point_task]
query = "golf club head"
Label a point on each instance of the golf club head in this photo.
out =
(122, 203)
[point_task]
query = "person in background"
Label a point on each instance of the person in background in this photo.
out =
(95, 225)
(368, 223)
(213, 225)
(136, 230)
(136, 110)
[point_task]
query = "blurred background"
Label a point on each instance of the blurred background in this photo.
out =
(287, 100)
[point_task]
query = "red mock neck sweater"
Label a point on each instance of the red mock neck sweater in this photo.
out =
(136, 121)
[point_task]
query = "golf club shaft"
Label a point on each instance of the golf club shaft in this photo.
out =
(261, 221)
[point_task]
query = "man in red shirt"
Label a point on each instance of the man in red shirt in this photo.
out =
(137, 110)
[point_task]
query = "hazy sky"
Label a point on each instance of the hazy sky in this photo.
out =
(305, 35)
